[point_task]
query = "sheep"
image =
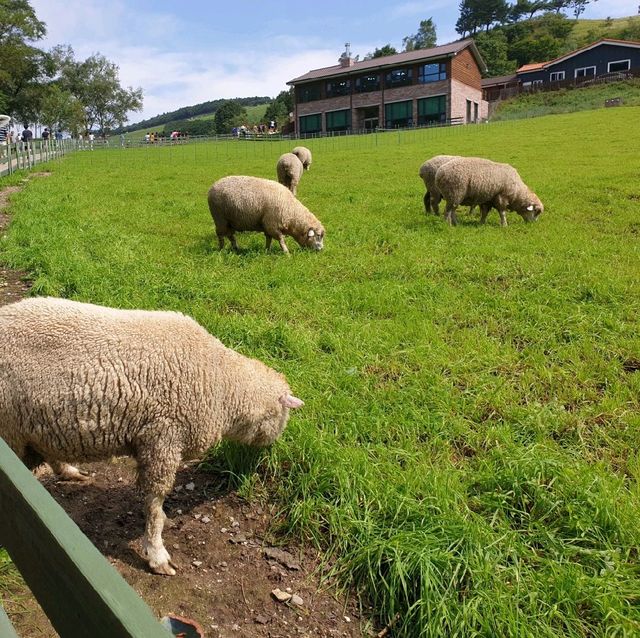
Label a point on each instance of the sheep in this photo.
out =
(240, 202)
(83, 382)
(428, 174)
(304, 155)
(289, 169)
(475, 180)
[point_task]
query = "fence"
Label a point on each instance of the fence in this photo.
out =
(21, 155)
(81, 593)
(493, 94)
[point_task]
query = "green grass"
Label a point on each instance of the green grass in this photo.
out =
(568, 100)
(587, 31)
(468, 451)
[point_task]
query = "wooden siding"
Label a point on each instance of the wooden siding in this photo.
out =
(464, 68)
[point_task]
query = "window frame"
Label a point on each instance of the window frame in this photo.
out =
(409, 119)
(442, 115)
(347, 127)
(628, 61)
(358, 83)
(301, 117)
(408, 79)
(561, 76)
(330, 92)
(441, 74)
(584, 68)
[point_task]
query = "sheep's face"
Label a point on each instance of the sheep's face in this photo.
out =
(531, 208)
(313, 238)
(267, 421)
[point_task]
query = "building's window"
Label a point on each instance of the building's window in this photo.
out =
(432, 110)
(309, 92)
(537, 82)
(619, 65)
(475, 111)
(338, 87)
(556, 76)
(339, 120)
(311, 123)
(432, 72)
(368, 83)
(585, 71)
(398, 77)
(398, 114)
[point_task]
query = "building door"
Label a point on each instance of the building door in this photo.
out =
(370, 123)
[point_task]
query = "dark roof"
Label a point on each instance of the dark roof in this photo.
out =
(443, 51)
(502, 79)
(543, 65)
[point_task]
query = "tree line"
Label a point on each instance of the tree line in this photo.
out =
(53, 87)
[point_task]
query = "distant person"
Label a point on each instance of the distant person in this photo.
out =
(26, 137)
(91, 138)
(45, 134)
(59, 135)
(147, 138)
(122, 140)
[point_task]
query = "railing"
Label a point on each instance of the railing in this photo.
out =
(493, 94)
(26, 155)
(81, 593)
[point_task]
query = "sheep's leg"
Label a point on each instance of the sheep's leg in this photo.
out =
(503, 217)
(220, 241)
(232, 239)
(157, 467)
(283, 245)
(435, 203)
(427, 202)
(484, 211)
(294, 189)
(67, 472)
(268, 246)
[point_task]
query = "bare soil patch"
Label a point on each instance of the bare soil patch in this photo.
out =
(222, 548)
(227, 562)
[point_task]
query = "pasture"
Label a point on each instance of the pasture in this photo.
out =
(468, 456)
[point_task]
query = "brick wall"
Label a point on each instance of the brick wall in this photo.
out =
(460, 93)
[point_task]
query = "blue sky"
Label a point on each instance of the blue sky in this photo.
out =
(186, 52)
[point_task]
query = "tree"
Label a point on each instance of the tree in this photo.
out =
(526, 8)
(229, 114)
(279, 109)
(387, 49)
(59, 109)
(494, 49)
(475, 14)
(23, 67)
(424, 39)
(96, 84)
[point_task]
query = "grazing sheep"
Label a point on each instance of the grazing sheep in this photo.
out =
(304, 155)
(289, 169)
(82, 382)
(239, 203)
(428, 174)
(474, 180)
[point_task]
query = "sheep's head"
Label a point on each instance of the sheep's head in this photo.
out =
(263, 412)
(531, 207)
(312, 237)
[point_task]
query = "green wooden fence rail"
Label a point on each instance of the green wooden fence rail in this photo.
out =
(81, 593)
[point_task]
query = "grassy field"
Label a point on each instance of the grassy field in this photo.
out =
(469, 449)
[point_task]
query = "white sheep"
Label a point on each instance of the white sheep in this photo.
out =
(242, 203)
(84, 382)
(304, 155)
(428, 174)
(475, 180)
(289, 169)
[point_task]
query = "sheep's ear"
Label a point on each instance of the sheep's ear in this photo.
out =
(311, 233)
(530, 207)
(289, 401)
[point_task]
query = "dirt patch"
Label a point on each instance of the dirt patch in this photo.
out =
(227, 562)
(227, 567)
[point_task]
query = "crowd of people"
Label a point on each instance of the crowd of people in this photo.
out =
(257, 129)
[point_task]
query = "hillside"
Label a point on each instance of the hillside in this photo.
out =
(189, 113)
(567, 100)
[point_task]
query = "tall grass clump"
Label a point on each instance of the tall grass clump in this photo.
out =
(467, 457)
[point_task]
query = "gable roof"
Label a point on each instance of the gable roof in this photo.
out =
(526, 68)
(444, 51)
(499, 80)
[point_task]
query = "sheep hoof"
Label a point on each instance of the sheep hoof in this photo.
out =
(164, 569)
